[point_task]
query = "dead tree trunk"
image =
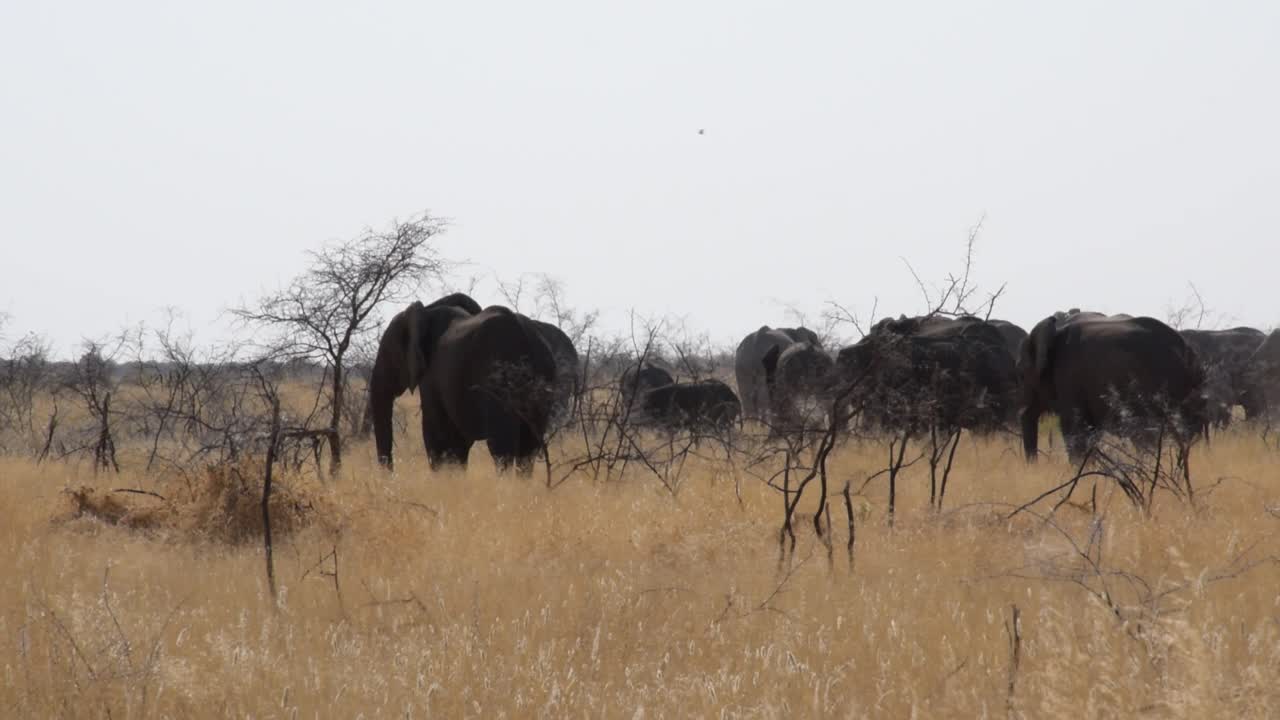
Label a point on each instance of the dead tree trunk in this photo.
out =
(272, 443)
(104, 452)
(335, 419)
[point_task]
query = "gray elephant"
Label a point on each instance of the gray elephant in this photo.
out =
(1013, 336)
(1225, 356)
(913, 373)
(700, 406)
(457, 300)
(568, 372)
(1263, 375)
(387, 366)
(1133, 377)
(800, 381)
(749, 368)
(1012, 333)
(1077, 315)
(485, 376)
(562, 349)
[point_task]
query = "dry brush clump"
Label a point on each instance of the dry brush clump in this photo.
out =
(221, 505)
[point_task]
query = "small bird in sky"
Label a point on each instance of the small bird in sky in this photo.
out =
(702, 131)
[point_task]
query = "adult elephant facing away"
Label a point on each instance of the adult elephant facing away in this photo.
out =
(1130, 376)
(1013, 336)
(568, 379)
(1225, 356)
(913, 373)
(388, 365)
(800, 380)
(483, 376)
(749, 369)
(1263, 375)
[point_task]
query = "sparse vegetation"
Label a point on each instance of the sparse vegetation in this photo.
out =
(474, 594)
(655, 568)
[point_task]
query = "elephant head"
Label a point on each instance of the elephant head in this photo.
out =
(635, 381)
(802, 334)
(404, 354)
(426, 325)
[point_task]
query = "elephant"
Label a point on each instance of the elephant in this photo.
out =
(1013, 336)
(1225, 355)
(1263, 376)
(1078, 315)
(635, 382)
(562, 349)
(568, 379)
(458, 300)
(1131, 376)
(912, 373)
(800, 383)
(703, 405)
(390, 365)
(484, 376)
(749, 370)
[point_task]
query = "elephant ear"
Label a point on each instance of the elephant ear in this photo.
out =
(426, 327)
(415, 360)
(1041, 340)
(770, 362)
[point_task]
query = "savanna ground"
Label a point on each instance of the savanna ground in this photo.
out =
(481, 595)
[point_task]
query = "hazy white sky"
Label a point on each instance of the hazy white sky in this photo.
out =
(184, 154)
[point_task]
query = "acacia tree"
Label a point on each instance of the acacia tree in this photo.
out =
(328, 309)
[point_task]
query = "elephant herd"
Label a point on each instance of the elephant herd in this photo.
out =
(495, 375)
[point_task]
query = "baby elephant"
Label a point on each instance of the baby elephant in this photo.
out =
(701, 405)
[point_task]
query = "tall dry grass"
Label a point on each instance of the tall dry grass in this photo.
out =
(476, 595)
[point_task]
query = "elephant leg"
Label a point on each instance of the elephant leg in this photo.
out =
(1075, 435)
(747, 393)
(509, 434)
(381, 407)
(444, 444)
(531, 444)
(515, 445)
(383, 437)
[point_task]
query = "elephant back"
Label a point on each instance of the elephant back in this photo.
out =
(1263, 370)
(700, 404)
(803, 364)
(931, 369)
(500, 340)
(458, 300)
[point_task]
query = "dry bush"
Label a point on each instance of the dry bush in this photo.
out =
(469, 594)
(222, 505)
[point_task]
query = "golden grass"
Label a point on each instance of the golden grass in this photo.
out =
(477, 595)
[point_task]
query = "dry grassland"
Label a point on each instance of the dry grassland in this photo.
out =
(439, 595)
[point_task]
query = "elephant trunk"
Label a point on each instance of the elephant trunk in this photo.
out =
(1031, 431)
(382, 397)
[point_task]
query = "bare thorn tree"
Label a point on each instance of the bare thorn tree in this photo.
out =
(331, 306)
(1194, 314)
(955, 297)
